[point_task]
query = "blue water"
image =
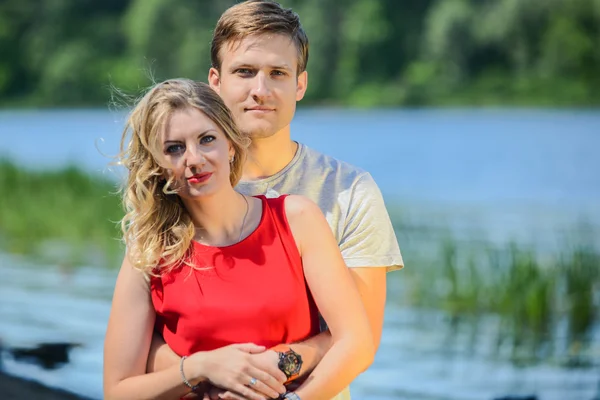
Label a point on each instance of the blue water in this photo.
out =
(507, 171)
(515, 174)
(458, 156)
(420, 356)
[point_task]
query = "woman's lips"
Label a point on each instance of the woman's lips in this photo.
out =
(199, 178)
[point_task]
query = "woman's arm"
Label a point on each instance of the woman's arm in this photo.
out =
(127, 344)
(337, 298)
(161, 356)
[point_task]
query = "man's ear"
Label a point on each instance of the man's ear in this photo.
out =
(214, 79)
(301, 85)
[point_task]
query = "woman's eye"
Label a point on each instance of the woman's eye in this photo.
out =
(174, 148)
(207, 139)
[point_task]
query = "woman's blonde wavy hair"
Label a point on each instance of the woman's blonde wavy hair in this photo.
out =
(157, 229)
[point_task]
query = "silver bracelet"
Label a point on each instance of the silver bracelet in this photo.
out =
(185, 381)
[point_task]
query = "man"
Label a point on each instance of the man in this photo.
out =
(259, 54)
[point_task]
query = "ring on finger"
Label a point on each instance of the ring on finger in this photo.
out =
(253, 381)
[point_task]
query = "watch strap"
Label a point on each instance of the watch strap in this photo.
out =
(291, 396)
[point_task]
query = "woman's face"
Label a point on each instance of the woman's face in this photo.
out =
(196, 154)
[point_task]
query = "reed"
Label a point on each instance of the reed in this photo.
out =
(64, 214)
(532, 293)
(70, 218)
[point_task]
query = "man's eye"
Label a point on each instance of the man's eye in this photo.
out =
(278, 73)
(243, 71)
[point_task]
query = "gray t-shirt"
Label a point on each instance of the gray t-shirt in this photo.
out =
(351, 202)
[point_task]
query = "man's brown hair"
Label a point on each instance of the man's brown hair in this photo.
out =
(257, 17)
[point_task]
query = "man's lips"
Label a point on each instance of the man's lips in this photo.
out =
(199, 178)
(259, 109)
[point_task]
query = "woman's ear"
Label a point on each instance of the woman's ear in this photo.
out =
(231, 152)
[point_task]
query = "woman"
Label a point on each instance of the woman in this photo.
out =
(220, 274)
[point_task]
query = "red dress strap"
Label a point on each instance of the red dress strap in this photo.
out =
(277, 208)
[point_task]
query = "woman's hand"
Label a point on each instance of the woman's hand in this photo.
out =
(267, 361)
(243, 369)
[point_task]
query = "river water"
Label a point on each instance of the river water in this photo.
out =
(420, 356)
(513, 173)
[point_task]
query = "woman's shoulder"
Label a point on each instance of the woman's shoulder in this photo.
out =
(298, 207)
(297, 211)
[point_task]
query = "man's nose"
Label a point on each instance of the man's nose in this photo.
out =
(260, 87)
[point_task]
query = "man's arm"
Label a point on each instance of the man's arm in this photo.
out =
(370, 250)
(311, 350)
(371, 283)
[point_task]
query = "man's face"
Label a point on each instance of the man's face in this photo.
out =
(258, 82)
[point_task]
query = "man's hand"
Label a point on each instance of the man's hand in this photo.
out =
(219, 394)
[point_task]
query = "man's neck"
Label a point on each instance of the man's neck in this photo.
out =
(268, 156)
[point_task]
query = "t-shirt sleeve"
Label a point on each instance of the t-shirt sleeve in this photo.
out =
(368, 238)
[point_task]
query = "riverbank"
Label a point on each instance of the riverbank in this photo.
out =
(533, 286)
(14, 388)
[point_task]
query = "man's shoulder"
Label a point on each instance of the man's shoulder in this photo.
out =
(324, 165)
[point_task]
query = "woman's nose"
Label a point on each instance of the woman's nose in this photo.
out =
(194, 157)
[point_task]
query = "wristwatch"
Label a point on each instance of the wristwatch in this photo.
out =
(290, 362)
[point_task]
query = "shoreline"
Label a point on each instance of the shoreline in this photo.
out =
(17, 388)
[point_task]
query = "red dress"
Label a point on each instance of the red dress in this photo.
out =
(252, 291)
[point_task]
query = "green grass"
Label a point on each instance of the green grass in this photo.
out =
(533, 294)
(67, 215)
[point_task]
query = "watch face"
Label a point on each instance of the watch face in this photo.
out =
(290, 363)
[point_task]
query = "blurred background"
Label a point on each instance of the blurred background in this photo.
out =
(478, 119)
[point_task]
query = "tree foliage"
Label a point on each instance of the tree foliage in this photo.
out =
(363, 52)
